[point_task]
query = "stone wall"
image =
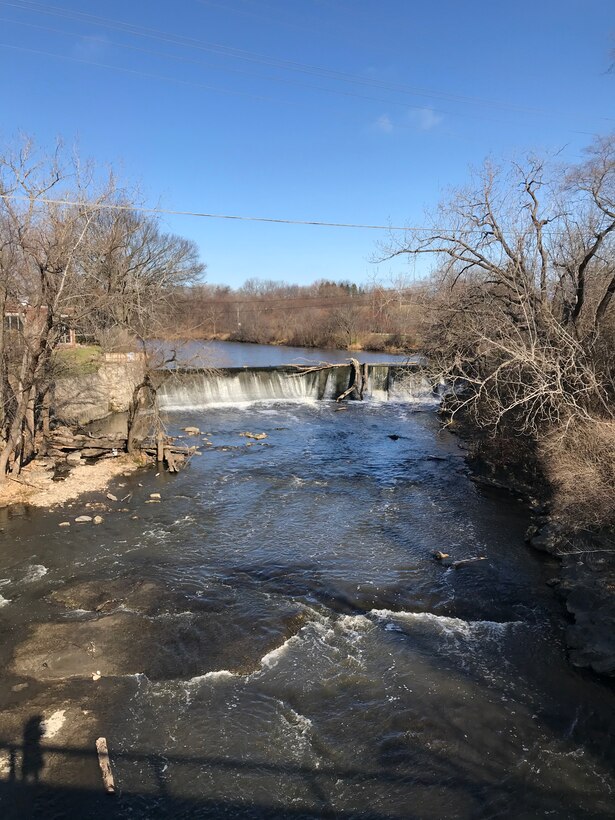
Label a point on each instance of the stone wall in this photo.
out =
(81, 399)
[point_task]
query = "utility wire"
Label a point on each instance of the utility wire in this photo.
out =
(233, 70)
(114, 206)
(102, 206)
(288, 65)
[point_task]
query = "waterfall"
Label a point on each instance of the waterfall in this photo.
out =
(185, 389)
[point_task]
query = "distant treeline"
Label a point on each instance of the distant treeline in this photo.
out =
(324, 314)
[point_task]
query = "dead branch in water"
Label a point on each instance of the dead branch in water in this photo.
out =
(302, 370)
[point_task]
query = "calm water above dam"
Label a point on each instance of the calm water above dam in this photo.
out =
(275, 639)
(245, 354)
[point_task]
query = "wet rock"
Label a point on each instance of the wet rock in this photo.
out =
(257, 436)
(83, 519)
(192, 431)
(64, 524)
(111, 497)
(155, 495)
(98, 519)
(545, 537)
(74, 650)
(588, 581)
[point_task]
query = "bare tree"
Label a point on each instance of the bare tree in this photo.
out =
(524, 286)
(71, 251)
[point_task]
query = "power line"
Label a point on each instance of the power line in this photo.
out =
(233, 92)
(114, 206)
(227, 69)
(284, 64)
(103, 206)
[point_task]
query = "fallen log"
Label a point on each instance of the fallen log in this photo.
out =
(105, 765)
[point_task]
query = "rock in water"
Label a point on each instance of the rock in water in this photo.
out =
(83, 519)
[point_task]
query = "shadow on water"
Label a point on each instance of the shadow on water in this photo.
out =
(30, 797)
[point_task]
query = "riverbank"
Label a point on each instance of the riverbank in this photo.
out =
(586, 581)
(36, 486)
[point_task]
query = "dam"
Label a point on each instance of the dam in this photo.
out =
(194, 388)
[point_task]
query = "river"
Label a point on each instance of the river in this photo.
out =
(274, 638)
(247, 354)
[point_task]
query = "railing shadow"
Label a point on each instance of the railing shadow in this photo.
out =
(26, 794)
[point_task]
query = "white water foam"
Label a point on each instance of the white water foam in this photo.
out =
(35, 572)
(453, 627)
(218, 674)
(272, 658)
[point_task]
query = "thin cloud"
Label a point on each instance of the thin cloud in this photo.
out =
(425, 119)
(91, 47)
(384, 124)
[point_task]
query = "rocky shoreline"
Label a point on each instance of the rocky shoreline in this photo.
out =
(35, 485)
(586, 584)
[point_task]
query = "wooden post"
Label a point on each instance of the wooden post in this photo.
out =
(170, 459)
(364, 379)
(105, 765)
(160, 447)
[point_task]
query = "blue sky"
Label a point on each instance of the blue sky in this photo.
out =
(357, 111)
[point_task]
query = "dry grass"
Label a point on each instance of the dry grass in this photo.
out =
(581, 469)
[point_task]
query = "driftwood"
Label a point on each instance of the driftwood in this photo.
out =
(169, 457)
(63, 443)
(466, 561)
(358, 380)
(302, 369)
(105, 765)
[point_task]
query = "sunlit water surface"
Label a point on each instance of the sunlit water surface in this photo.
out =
(308, 657)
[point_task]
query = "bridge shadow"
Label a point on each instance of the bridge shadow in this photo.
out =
(445, 782)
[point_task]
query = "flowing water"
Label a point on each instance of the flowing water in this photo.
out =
(286, 646)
